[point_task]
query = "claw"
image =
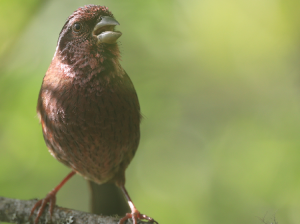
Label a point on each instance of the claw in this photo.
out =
(135, 217)
(41, 204)
(50, 198)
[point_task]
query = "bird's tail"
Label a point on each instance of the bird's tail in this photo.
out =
(107, 199)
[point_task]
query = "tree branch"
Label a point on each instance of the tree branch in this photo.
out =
(17, 211)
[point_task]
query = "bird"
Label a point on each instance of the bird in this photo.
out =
(88, 107)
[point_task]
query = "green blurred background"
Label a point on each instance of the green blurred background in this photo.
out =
(219, 87)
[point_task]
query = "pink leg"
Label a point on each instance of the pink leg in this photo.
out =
(51, 198)
(135, 215)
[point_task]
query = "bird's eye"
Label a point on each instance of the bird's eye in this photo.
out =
(77, 27)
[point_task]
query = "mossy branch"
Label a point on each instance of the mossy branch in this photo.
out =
(17, 211)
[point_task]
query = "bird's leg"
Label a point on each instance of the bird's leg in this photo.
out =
(51, 198)
(135, 215)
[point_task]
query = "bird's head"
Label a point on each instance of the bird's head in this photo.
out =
(88, 37)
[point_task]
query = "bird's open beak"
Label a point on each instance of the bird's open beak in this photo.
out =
(104, 30)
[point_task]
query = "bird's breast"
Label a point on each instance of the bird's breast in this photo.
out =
(93, 130)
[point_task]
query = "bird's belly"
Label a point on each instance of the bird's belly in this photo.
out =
(94, 143)
(96, 156)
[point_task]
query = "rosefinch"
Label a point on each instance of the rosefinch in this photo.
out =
(87, 105)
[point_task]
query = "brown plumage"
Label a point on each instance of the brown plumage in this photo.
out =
(88, 106)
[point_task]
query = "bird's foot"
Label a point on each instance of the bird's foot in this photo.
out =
(51, 198)
(41, 205)
(135, 216)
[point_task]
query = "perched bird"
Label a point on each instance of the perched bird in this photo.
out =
(88, 107)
